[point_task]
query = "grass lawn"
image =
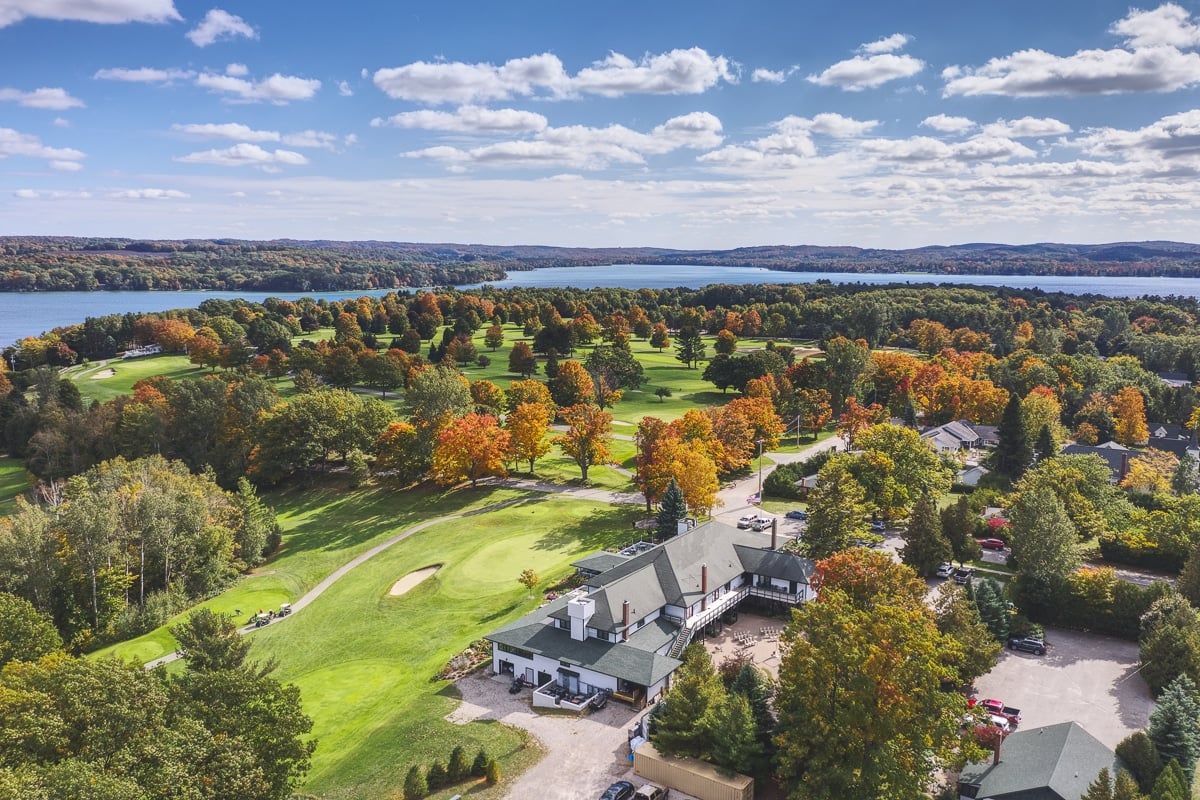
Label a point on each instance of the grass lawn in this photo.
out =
(364, 660)
(115, 377)
(324, 527)
(13, 481)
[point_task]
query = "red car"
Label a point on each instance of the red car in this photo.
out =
(992, 544)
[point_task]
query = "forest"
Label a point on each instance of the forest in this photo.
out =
(44, 263)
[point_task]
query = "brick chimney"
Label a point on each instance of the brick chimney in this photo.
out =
(625, 620)
(774, 531)
(704, 586)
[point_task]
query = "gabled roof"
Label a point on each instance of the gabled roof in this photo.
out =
(959, 431)
(1167, 430)
(599, 562)
(1116, 456)
(1176, 446)
(1056, 762)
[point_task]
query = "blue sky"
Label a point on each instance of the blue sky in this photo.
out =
(655, 123)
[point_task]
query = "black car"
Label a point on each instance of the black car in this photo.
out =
(621, 790)
(1028, 645)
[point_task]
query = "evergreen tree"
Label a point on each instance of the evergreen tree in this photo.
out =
(1126, 788)
(753, 684)
(734, 738)
(993, 610)
(479, 765)
(1012, 455)
(696, 691)
(415, 786)
(958, 617)
(1171, 784)
(1188, 584)
(458, 769)
(1138, 753)
(551, 368)
(1186, 477)
(436, 777)
(1044, 448)
(1169, 643)
(925, 547)
(1101, 788)
(493, 772)
(671, 509)
(689, 346)
(958, 525)
(1175, 725)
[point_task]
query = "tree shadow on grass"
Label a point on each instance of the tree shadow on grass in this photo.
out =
(602, 528)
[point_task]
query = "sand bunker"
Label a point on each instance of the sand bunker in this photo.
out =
(412, 579)
(104, 373)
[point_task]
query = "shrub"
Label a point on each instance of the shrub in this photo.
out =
(1141, 758)
(493, 773)
(458, 768)
(415, 786)
(483, 361)
(436, 778)
(480, 765)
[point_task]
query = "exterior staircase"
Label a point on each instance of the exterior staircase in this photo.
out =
(681, 641)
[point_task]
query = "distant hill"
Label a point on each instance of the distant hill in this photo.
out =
(60, 263)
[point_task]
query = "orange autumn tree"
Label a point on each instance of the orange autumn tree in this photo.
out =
(527, 427)
(696, 475)
(588, 436)
(857, 419)
(470, 447)
(1129, 416)
(653, 467)
(813, 407)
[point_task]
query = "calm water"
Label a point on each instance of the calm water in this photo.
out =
(24, 315)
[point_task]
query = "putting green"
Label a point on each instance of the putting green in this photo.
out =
(496, 566)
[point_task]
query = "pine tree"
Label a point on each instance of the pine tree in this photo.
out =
(1126, 788)
(1175, 725)
(925, 547)
(1044, 448)
(458, 768)
(958, 525)
(1171, 784)
(1138, 753)
(993, 610)
(493, 772)
(689, 346)
(1012, 456)
(415, 786)
(671, 509)
(1186, 476)
(696, 691)
(1188, 584)
(756, 687)
(735, 742)
(435, 778)
(479, 765)
(1101, 788)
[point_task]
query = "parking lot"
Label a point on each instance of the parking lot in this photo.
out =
(1083, 677)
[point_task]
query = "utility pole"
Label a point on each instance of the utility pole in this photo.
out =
(760, 448)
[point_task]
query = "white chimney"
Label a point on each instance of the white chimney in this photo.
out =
(580, 610)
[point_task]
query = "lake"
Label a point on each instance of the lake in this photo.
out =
(29, 314)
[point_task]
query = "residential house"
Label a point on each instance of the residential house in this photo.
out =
(624, 630)
(1116, 456)
(1056, 762)
(1175, 380)
(1173, 439)
(971, 475)
(961, 435)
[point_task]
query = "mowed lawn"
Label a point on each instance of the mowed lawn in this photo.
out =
(365, 661)
(104, 381)
(324, 527)
(13, 481)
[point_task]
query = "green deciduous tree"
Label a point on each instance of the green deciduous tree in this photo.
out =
(958, 525)
(210, 641)
(976, 649)
(925, 547)
(837, 510)
(26, 634)
(1169, 642)
(1044, 546)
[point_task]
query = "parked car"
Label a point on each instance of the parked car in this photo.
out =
(652, 791)
(747, 521)
(963, 574)
(621, 790)
(992, 544)
(1028, 645)
(945, 570)
(798, 513)
(761, 523)
(997, 709)
(878, 527)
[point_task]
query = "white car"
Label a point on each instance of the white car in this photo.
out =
(747, 521)
(761, 523)
(945, 570)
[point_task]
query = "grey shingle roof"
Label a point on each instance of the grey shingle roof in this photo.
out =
(1056, 762)
(600, 562)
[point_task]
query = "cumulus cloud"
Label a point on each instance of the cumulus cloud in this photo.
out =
(761, 75)
(237, 70)
(1152, 61)
(344, 89)
(66, 166)
(888, 44)
(15, 143)
(217, 25)
(245, 154)
(868, 72)
(277, 89)
(1026, 127)
(143, 75)
(690, 71)
(227, 130)
(55, 99)
(828, 124)
(926, 149)
(150, 194)
(327, 141)
(947, 124)
(102, 11)
(582, 147)
(1173, 137)
(467, 119)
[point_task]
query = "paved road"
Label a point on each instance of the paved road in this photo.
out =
(735, 496)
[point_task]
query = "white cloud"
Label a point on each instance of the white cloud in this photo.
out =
(66, 166)
(43, 194)
(689, 71)
(227, 130)
(237, 70)
(1176, 136)
(926, 149)
(102, 11)
(344, 89)
(581, 147)
(828, 124)
(143, 75)
(277, 89)
(15, 143)
(55, 99)
(1026, 127)
(762, 75)
(245, 154)
(349, 139)
(1169, 24)
(888, 44)
(858, 73)
(218, 24)
(467, 119)
(947, 124)
(321, 139)
(150, 194)
(60, 122)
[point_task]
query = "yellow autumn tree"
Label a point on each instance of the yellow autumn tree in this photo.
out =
(1129, 417)
(527, 427)
(588, 436)
(696, 475)
(1151, 472)
(1041, 408)
(470, 448)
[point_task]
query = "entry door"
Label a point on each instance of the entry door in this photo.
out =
(529, 675)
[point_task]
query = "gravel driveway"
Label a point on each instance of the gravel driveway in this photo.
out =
(583, 754)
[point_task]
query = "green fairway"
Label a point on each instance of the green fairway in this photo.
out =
(324, 527)
(13, 481)
(105, 380)
(364, 659)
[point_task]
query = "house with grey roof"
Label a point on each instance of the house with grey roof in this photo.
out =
(1056, 762)
(1115, 455)
(960, 435)
(624, 629)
